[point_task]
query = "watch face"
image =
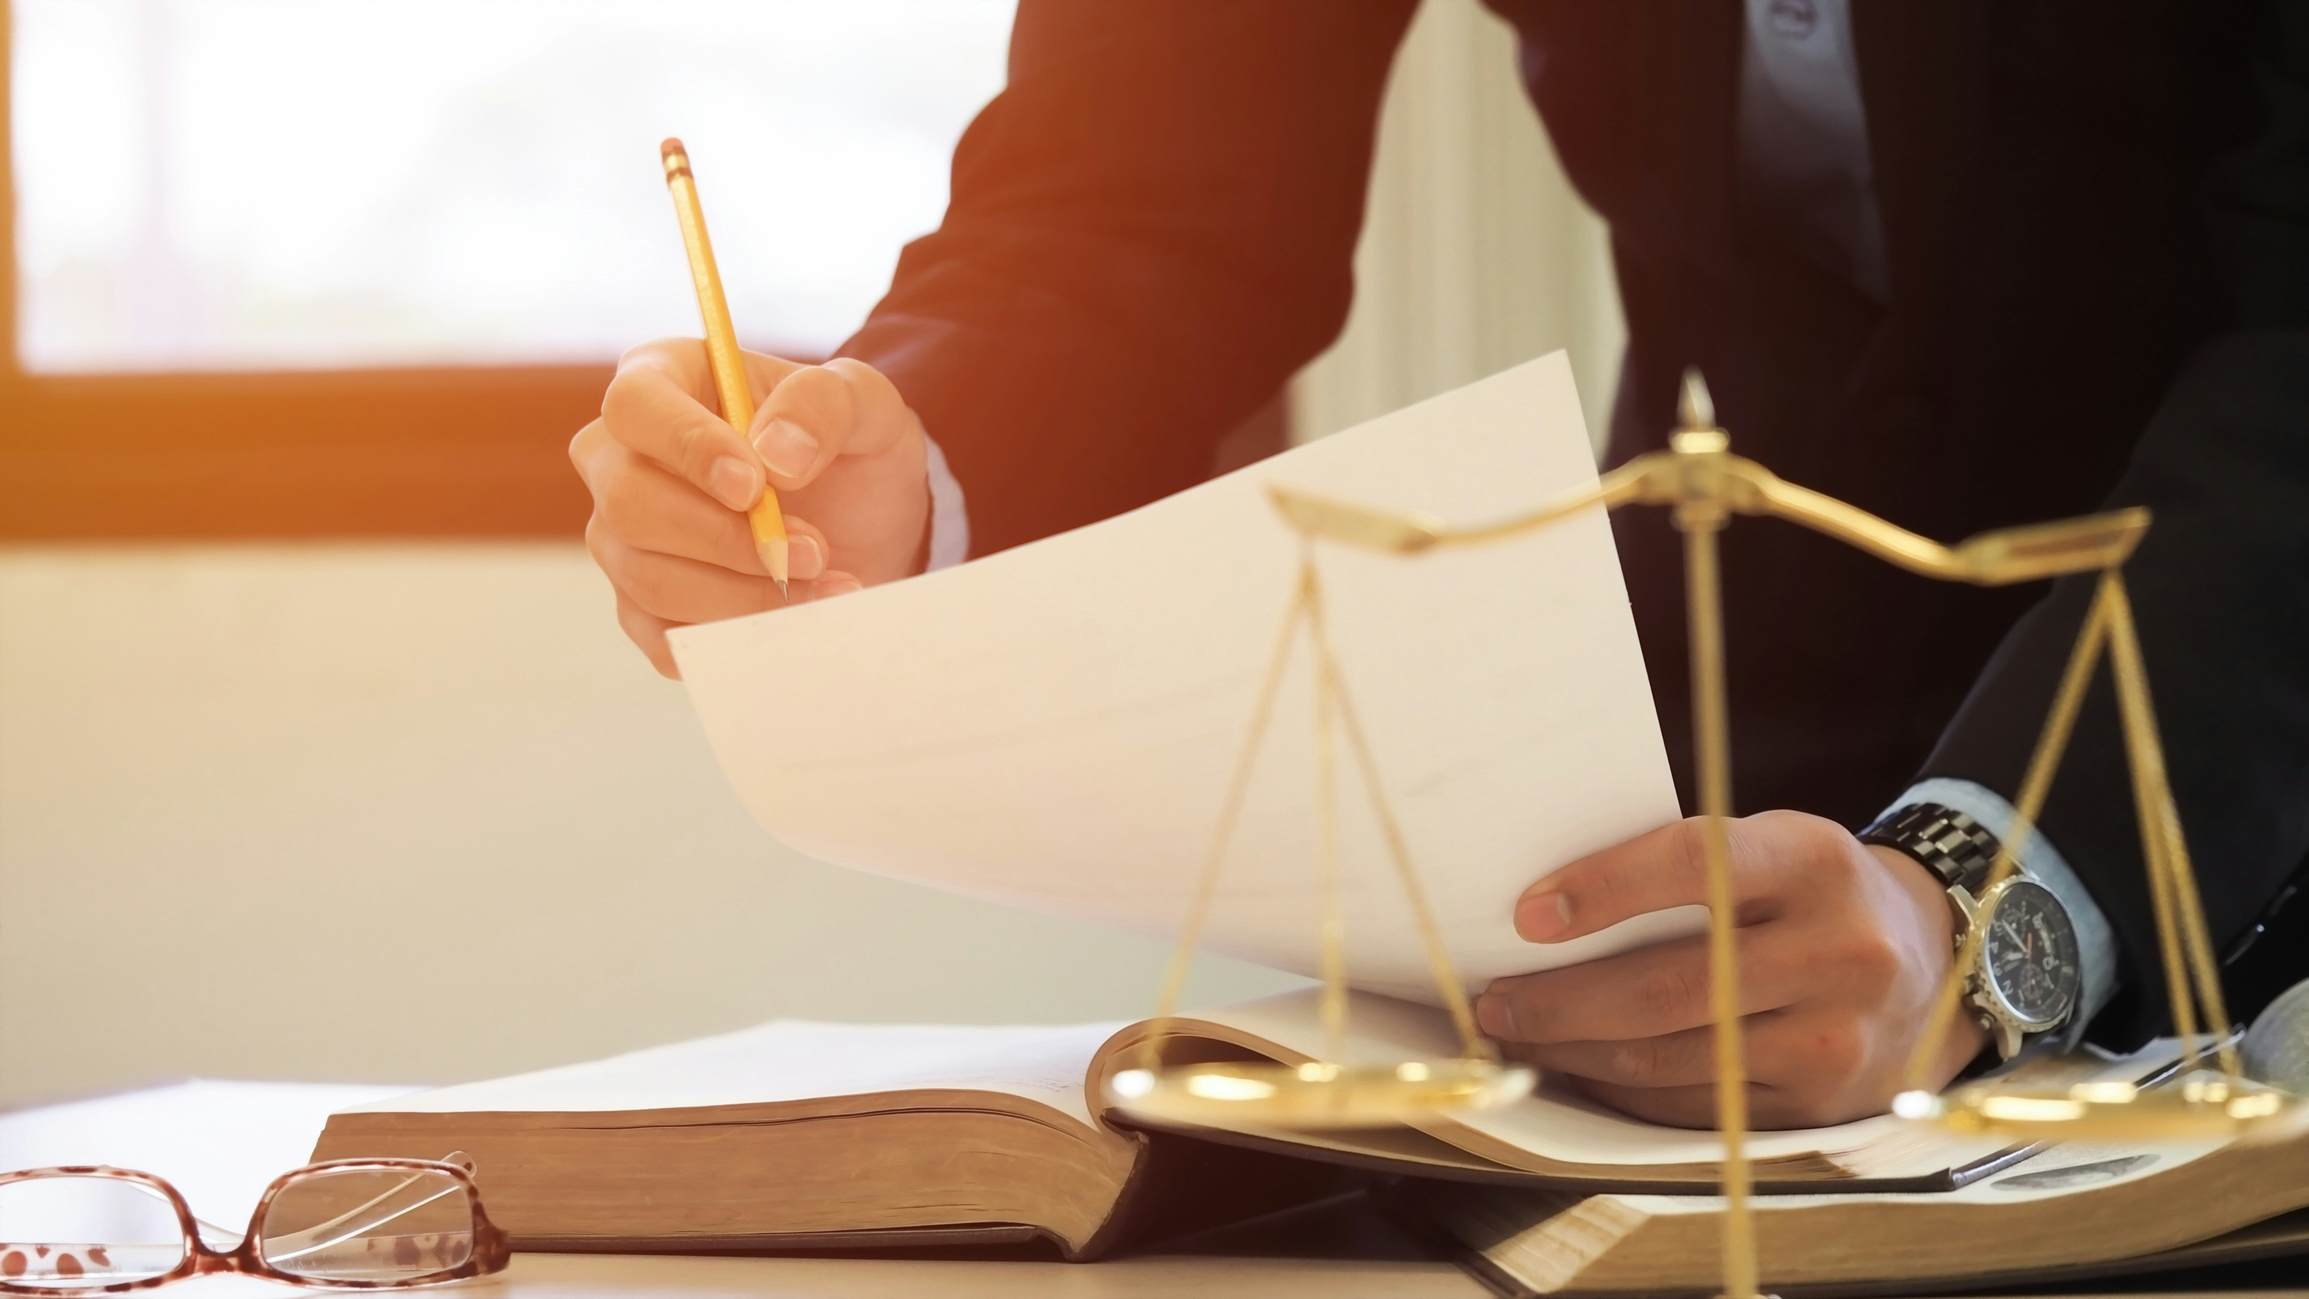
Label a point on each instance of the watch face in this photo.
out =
(2029, 954)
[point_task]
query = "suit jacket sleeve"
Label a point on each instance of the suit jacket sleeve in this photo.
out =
(2220, 588)
(1148, 231)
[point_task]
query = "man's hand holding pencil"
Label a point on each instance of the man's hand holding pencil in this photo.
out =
(687, 517)
(672, 484)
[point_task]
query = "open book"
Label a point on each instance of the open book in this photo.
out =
(796, 1135)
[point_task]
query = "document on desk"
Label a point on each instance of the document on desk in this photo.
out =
(1055, 726)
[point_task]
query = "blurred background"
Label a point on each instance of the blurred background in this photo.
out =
(321, 756)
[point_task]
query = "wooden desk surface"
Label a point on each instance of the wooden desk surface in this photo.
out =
(221, 1142)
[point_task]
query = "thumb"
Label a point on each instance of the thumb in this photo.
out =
(819, 412)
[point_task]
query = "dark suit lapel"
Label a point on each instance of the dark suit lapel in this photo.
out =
(1694, 88)
(1922, 82)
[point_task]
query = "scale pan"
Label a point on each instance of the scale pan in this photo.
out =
(2192, 1110)
(1315, 1096)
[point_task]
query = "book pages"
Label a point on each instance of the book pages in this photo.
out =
(1055, 726)
(2060, 1171)
(792, 1060)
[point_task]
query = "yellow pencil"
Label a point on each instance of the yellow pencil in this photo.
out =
(729, 367)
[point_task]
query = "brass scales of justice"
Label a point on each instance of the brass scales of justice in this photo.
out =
(1702, 485)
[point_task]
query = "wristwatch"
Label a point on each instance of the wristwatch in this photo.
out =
(2025, 974)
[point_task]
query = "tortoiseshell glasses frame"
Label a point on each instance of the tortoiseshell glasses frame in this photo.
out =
(488, 1253)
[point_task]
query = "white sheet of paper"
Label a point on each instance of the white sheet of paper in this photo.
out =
(1054, 726)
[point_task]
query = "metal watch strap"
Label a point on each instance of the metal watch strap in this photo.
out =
(1950, 844)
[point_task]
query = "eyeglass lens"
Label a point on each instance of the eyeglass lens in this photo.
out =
(361, 1224)
(74, 1233)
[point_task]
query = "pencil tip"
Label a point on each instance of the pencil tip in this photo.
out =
(782, 595)
(776, 556)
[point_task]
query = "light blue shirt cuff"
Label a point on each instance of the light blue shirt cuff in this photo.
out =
(949, 514)
(2039, 861)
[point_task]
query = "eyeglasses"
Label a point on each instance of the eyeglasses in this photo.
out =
(359, 1224)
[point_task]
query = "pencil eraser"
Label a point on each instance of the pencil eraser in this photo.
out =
(671, 146)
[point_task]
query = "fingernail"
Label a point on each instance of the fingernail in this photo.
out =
(1493, 1016)
(1542, 916)
(841, 584)
(788, 447)
(805, 557)
(734, 482)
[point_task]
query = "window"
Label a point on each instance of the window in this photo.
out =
(400, 245)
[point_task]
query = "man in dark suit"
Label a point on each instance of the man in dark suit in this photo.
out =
(1964, 264)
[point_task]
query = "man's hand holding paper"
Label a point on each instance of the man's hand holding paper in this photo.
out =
(1841, 948)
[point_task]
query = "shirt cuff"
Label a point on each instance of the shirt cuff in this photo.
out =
(949, 514)
(2041, 862)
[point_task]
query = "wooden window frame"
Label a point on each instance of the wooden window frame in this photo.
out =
(438, 452)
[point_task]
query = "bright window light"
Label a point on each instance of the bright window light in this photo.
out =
(273, 184)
